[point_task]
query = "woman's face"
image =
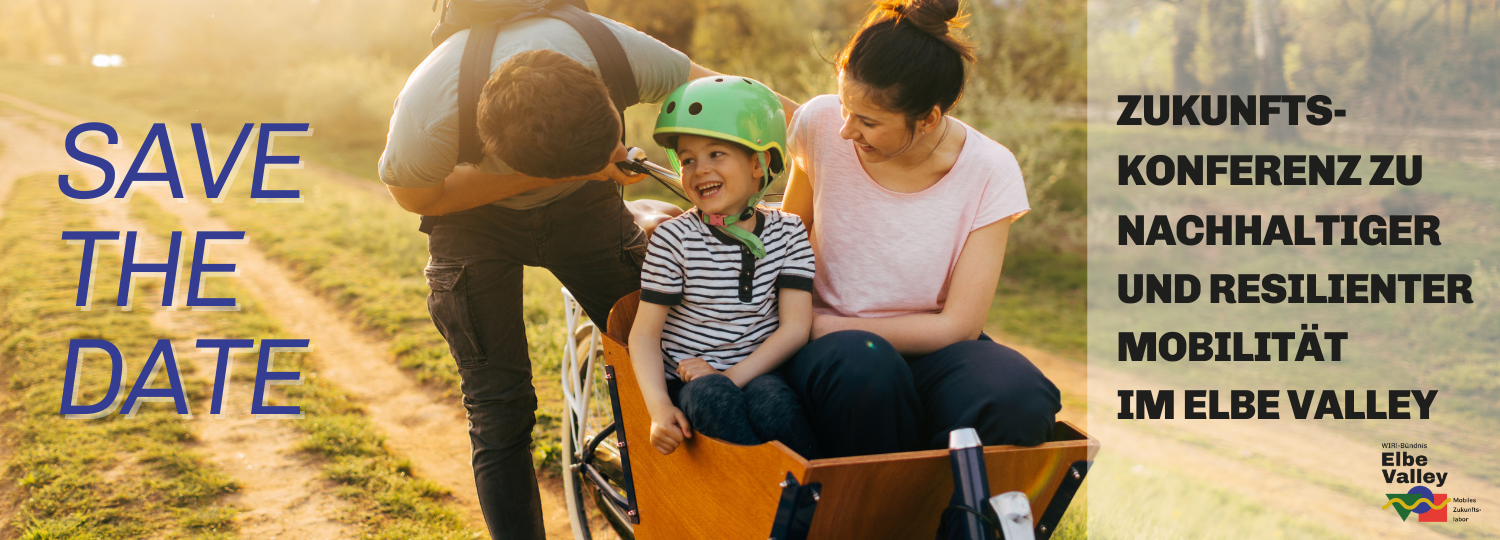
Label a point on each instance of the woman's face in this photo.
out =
(878, 134)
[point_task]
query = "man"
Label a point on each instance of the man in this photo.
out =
(542, 196)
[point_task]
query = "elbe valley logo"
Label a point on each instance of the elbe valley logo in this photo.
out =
(1407, 468)
(1428, 506)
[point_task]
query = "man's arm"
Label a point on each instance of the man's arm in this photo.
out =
(697, 72)
(467, 187)
(799, 200)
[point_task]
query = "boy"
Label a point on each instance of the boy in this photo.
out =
(726, 289)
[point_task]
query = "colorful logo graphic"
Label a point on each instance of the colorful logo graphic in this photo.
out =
(1428, 506)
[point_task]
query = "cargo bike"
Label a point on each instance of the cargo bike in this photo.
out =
(750, 492)
(711, 489)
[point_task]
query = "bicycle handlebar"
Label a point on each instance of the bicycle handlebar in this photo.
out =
(636, 163)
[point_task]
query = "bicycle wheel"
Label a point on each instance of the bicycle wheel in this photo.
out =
(588, 414)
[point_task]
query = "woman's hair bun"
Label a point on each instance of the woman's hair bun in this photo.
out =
(932, 16)
(907, 53)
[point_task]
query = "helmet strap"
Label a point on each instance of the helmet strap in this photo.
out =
(725, 221)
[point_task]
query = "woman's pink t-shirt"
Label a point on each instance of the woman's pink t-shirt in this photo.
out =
(883, 253)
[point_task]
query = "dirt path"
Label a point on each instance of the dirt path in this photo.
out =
(283, 495)
(8, 176)
(11, 168)
(428, 429)
(17, 146)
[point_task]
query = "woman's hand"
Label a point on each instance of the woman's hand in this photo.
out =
(669, 429)
(693, 368)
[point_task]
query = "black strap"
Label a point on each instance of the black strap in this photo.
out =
(614, 66)
(474, 70)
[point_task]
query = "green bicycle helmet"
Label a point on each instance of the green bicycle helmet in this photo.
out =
(735, 109)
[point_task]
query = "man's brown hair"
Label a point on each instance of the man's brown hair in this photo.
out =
(546, 115)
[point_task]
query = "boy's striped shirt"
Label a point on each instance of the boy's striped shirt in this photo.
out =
(723, 299)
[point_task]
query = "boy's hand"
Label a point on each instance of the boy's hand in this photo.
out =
(668, 431)
(693, 368)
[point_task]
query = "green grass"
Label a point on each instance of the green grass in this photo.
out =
(1162, 504)
(1041, 301)
(388, 502)
(112, 477)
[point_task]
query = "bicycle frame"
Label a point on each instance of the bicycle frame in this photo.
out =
(578, 392)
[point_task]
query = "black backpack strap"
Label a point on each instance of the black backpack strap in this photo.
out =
(473, 71)
(614, 66)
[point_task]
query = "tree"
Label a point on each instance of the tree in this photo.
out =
(1387, 52)
(670, 21)
(1185, 28)
(59, 25)
(1265, 17)
(1226, 26)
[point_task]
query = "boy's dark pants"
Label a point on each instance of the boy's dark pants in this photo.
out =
(764, 410)
(589, 240)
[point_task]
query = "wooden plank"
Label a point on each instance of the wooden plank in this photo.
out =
(622, 315)
(710, 489)
(902, 496)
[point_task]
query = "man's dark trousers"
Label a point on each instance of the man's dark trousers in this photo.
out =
(589, 240)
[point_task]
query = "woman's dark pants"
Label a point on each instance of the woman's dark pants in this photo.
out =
(862, 397)
(589, 240)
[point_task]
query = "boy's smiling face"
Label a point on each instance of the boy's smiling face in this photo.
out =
(718, 176)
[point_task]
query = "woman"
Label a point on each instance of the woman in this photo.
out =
(909, 211)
